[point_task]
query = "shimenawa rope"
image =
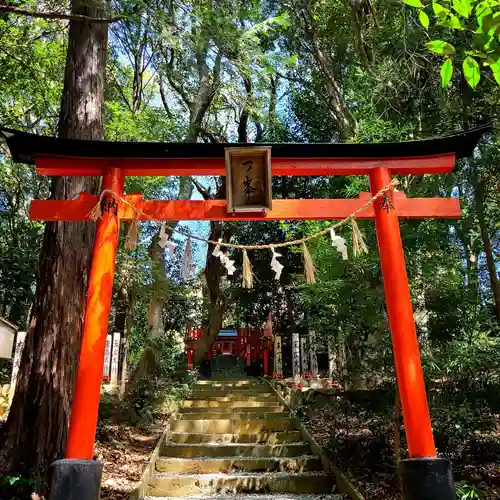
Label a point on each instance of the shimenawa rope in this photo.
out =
(95, 213)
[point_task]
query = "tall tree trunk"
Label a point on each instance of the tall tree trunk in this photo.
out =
(213, 275)
(36, 431)
(488, 250)
(218, 303)
(245, 113)
(159, 276)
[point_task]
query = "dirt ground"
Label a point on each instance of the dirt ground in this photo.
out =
(125, 452)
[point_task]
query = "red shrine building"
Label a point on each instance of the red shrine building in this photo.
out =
(248, 344)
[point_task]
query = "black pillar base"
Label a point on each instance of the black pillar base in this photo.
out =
(76, 480)
(427, 478)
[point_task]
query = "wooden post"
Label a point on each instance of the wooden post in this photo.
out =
(312, 352)
(403, 333)
(88, 379)
(266, 360)
(303, 356)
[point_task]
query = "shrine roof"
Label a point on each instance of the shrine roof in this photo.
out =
(24, 147)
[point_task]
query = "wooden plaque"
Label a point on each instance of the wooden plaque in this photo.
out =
(248, 177)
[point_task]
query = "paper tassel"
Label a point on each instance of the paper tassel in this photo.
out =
(164, 241)
(309, 269)
(228, 264)
(225, 260)
(96, 212)
(187, 264)
(358, 244)
(339, 243)
(217, 251)
(247, 271)
(276, 265)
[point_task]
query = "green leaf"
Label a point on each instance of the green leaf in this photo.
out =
(453, 22)
(463, 7)
(440, 47)
(495, 68)
(446, 72)
(291, 61)
(413, 3)
(424, 19)
(440, 11)
(471, 71)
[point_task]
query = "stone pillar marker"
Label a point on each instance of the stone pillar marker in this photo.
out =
(115, 358)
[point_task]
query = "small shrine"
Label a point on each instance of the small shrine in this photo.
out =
(238, 350)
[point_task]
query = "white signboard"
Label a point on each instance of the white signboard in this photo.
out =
(331, 361)
(278, 356)
(107, 357)
(115, 358)
(21, 337)
(7, 336)
(295, 356)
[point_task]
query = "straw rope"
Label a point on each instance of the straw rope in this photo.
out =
(300, 241)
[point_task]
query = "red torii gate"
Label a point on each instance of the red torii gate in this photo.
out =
(424, 475)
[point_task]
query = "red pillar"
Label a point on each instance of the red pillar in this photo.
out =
(402, 325)
(88, 379)
(266, 361)
(190, 358)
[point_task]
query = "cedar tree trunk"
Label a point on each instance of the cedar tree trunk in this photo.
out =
(37, 428)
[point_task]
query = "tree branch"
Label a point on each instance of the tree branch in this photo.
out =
(57, 15)
(204, 192)
(163, 96)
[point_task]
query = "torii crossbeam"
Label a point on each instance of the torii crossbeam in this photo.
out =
(423, 472)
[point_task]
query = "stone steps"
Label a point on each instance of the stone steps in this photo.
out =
(235, 414)
(203, 404)
(229, 388)
(228, 426)
(250, 496)
(235, 450)
(232, 464)
(261, 438)
(240, 482)
(223, 396)
(234, 437)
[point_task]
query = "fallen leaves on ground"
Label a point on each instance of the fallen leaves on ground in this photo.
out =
(124, 451)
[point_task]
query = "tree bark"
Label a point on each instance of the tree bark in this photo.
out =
(218, 303)
(488, 250)
(245, 113)
(213, 275)
(36, 431)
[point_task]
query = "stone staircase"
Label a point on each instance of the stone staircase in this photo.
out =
(235, 438)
